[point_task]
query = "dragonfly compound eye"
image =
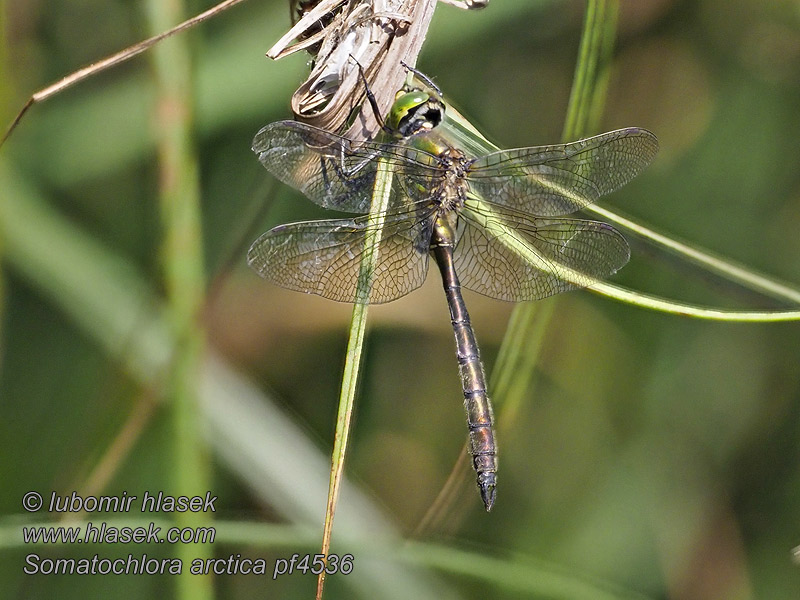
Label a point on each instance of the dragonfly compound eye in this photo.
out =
(413, 112)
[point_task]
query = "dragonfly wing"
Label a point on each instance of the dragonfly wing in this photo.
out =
(549, 181)
(324, 257)
(517, 258)
(335, 172)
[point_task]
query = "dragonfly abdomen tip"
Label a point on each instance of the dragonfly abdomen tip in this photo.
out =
(487, 485)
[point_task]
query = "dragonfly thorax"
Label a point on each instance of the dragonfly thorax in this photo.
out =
(452, 189)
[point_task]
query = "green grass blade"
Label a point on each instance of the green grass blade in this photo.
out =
(516, 575)
(182, 254)
(689, 310)
(522, 342)
(587, 97)
(355, 348)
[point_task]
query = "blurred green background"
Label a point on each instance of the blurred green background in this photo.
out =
(653, 454)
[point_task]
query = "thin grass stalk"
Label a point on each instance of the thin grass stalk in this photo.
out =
(352, 368)
(7, 90)
(184, 279)
(587, 97)
(355, 349)
(577, 108)
(109, 62)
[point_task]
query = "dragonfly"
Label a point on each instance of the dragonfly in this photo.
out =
(494, 224)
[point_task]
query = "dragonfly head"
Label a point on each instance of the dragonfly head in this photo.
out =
(414, 112)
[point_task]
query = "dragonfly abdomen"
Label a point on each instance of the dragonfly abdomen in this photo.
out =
(480, 420)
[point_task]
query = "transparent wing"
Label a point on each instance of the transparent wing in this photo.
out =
(549, 181)
(339, 174)
(487, 264)
(324, 257)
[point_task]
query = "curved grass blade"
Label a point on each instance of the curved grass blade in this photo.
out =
(727, 269)
(459, 127)
(578, 278)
